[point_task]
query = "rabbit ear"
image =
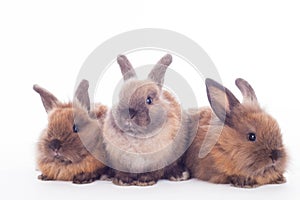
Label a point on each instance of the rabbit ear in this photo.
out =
(48, 99)
(82, 94)
(247, 91)
(221, 100)
(126, 67)
(157, 74)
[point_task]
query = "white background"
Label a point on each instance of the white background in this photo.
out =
(46, 43)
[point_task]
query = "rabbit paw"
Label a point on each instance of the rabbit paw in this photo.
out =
(146, 180)
(84, 178)
(185, 175)
(107, 174)
(145, 183)
(123, 181)
(243, 182)
(105, 177)
(280, 180)
(177, 173)
(44, 178)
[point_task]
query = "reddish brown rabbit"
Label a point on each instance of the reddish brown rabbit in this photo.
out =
(61, 153)
(237, 143)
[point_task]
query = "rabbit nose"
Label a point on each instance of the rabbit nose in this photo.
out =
(275, 154)
(55, 145)
(132, 112)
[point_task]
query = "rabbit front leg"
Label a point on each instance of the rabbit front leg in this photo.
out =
(84, 177)
(242, 182)
(139, 179)
(123, 178)
(149, 178)
(176, 172)
(44, 178)
(280, 180)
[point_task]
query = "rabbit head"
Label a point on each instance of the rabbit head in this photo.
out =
(71, 132)
(142, 107)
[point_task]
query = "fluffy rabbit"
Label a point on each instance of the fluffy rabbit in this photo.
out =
(143, 133)
(61, 153)
(237, 143)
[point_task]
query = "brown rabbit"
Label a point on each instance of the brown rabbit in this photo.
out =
(61, 153)
(144, 133)
(241, 144)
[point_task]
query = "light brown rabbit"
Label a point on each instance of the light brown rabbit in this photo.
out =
(143, 133)
(62, 152)
(237, 143)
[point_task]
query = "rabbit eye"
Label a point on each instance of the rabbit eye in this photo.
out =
(149, 100)
(252, 137)
(75, 128)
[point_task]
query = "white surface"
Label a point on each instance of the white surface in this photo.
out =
(28, 187)
(46, 43)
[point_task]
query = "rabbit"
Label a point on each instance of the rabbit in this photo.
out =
(236, 143)
(144, 133)
(61, 154)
